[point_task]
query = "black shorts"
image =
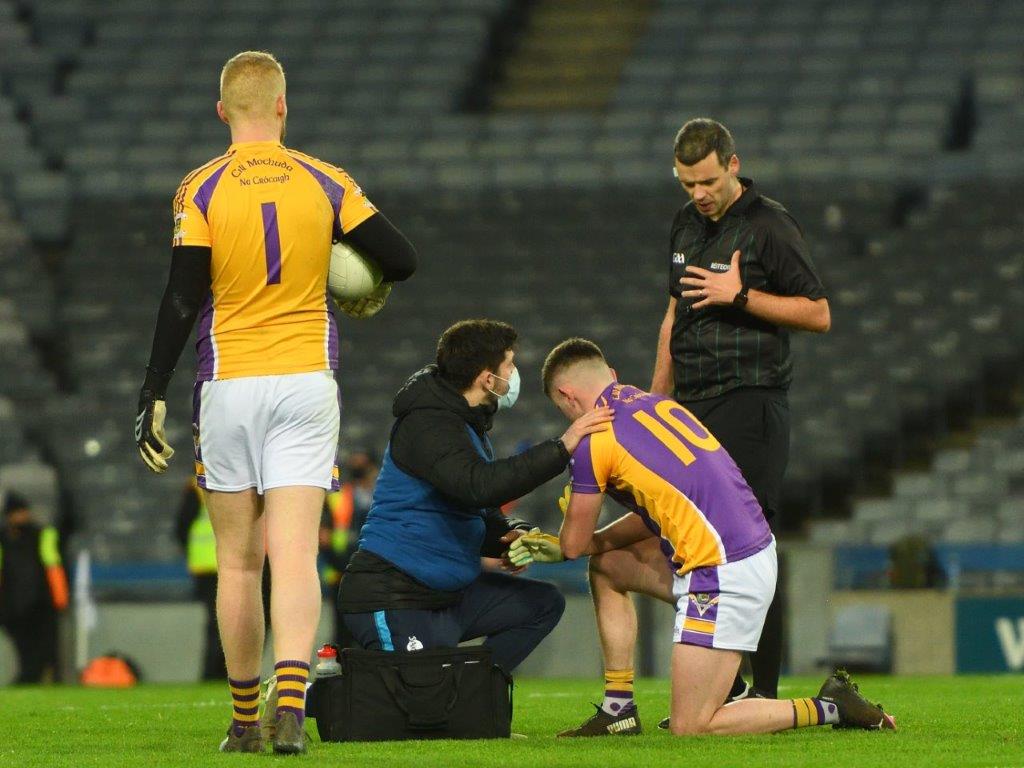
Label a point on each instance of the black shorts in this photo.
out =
(752, 424)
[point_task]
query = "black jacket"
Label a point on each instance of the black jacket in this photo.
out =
(431, 442)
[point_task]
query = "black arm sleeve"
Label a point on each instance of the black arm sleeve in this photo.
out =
(380, 240)
(439, 450)
(188, 511)
(188, 286)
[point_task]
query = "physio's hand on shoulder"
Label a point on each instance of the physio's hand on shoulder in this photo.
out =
(536, 547)
(149, 432)
(595, 421)
(368, 306)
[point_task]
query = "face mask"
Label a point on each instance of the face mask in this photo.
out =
(509, 398)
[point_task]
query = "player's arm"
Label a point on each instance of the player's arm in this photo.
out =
(381, 241)
(663, 380)
(577, 533)
(627, 530)
(188, 286)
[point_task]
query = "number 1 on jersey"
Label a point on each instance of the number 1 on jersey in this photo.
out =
(271, 243)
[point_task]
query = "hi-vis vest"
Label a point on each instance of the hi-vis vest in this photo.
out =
(53, 566)
(202, 547)
(342, 506)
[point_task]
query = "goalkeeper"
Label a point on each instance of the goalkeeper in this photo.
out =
(694, 537)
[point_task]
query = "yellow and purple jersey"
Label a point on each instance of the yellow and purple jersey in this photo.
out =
(269, 214)
(660, 462)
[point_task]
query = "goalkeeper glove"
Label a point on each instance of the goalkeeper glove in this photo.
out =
(563, 502)
(369, 305)
(149, 432)
(535, 547)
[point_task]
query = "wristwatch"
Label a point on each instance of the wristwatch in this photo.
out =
(740, 301)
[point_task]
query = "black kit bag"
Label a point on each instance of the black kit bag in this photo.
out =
(444, 693)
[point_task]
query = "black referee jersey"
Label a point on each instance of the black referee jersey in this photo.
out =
(717, 349)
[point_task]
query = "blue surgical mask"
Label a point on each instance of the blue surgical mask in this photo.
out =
(509, 398)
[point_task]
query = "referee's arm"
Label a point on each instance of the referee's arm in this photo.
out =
(797, 312)
(663, 380)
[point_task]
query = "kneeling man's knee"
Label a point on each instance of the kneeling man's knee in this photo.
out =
(689, 727)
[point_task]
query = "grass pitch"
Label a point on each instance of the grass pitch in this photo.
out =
(944, 721)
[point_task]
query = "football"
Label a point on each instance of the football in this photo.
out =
(352, 275)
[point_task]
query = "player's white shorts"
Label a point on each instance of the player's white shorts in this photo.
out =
(724, 606)
(266, 432)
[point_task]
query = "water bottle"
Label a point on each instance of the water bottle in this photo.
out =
(327, 662)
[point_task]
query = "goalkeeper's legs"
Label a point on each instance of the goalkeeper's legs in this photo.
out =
(238, 525)
(293, 523)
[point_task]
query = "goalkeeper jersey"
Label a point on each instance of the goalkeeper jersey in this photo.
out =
(660, 462)
(269, 215)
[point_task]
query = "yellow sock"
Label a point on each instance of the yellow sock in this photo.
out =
(618, 690)
(807, 712)
(245, 696)
(291, 688)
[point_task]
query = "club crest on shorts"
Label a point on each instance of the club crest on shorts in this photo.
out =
(414, 644)
(703, 601)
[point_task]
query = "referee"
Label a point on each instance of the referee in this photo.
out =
(740, 279)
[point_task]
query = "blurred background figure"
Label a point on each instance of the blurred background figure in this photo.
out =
(345, 511)
(195, 533)
(33, 589)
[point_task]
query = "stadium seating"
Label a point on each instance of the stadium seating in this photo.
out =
(556, 221)
(813, 90)
(557, 263)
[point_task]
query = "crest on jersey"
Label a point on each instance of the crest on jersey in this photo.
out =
(703, 601)
(179, 224)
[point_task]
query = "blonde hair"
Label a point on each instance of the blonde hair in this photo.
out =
(250, 83)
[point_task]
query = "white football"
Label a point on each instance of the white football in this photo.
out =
(352, 275)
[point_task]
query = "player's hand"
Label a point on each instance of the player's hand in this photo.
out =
(149, 432)
(563, 500)
(709, 288)
(368, 306)
(595, 421)
(505, 561)
(536, 547)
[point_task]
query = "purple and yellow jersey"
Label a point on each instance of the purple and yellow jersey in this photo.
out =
(660, 462)
(269, 215)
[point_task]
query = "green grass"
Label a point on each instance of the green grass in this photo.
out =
(944, 721)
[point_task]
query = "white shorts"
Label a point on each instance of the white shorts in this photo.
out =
(266, 432)
(724, 606)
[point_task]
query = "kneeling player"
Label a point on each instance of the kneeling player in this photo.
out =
(695, 537)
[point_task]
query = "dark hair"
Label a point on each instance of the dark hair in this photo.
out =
(569, 352)
(15, 502)
(700, 137)
(472, 346)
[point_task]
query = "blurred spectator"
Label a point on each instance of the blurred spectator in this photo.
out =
(33, 589)
(345, 512)
(195, 533)
(915, 565)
